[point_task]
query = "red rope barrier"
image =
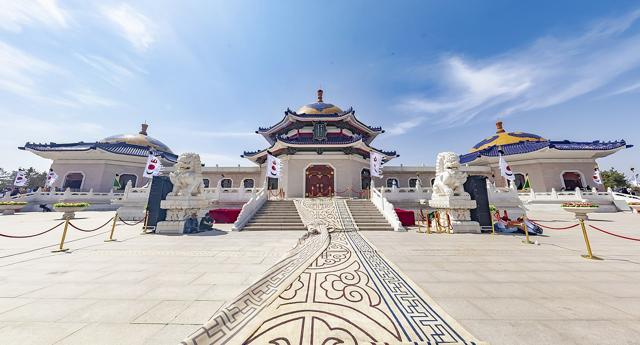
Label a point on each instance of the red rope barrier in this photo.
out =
(28, 236)
(552, 228)
(612, 234)
(92, 230)
(130, 224)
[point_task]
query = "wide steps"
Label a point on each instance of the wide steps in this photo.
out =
(367, 217)
(276, 216)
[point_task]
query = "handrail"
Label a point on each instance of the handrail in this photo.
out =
(386, 208)
(249, 209)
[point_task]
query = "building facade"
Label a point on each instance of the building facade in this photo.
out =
(325, 152)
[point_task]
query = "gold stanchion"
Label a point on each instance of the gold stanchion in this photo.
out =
(64, 235)
(526, 230)
(146, 219)
(586, 241)
(113, 228)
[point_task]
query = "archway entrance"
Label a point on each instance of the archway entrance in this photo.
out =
(319, 181)
(572, 180)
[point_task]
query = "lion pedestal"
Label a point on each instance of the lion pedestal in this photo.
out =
(186, 197)
(449, 196)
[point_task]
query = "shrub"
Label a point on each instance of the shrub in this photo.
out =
(579, 204)
(22, 203)
(71, 204)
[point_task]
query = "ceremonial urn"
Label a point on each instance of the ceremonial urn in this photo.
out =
(449, 198)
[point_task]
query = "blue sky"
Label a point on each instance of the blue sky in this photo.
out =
(435, 74)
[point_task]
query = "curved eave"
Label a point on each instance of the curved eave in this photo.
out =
(280, 145)
(547, 149)
(291, 117)
(124, 149)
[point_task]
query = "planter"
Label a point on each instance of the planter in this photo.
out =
(580, 212)
(69, 212)
(11, 209)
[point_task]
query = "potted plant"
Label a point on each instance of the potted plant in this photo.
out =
(635, 205)
(11, 207)
(69, 208)
(580, 209)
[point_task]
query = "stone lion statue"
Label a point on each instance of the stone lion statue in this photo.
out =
(187, 176)
(449, 179)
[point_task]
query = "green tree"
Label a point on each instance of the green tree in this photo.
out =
(36, 179)
(614, 179)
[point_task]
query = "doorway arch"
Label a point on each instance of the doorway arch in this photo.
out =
(319, 181)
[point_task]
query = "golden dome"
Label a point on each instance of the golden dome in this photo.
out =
(319, 107)
(505, 138)
(140, 139)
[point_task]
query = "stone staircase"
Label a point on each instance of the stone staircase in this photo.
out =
(367, 216)
(275, 216)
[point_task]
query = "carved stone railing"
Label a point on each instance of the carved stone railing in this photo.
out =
(249, 209)
(407, 194)
(385, 207)
(98, 201)
(229, 194)
(132, 203)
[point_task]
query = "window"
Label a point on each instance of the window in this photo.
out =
(519, 181)
(125, 178)
(226, 183)
(272, 183)
(392, 182)
(248, 183)
(205, 181)
(433, 180)
(413, 182)
(572, 180)
(73, 181)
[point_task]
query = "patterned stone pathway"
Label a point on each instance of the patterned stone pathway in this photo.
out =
(334, 288)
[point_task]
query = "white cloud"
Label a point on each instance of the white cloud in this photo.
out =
(626, 89)
(133, 25)
(405, 126)
(19, 71)
(108, 70)
(14, 15)
(224, 134)
(549, 71)
(87, 98)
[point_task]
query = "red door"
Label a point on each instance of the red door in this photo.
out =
(319, 181)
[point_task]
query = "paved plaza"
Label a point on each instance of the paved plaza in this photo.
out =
(151, 289)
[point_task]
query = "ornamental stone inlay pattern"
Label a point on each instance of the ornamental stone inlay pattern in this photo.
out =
(348, 294)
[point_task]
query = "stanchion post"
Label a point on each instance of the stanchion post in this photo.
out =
(146, 220)
(526, 230)
(586, 241)
(113, 228)
(64, 235)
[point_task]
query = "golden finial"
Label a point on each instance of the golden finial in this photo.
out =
(320, 92)
(143, 129)
(499, 128)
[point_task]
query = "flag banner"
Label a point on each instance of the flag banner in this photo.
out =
(273, 166)
(51, 177)
(153, 167)
(375, 162)
(21, 179)
(527, 184)
(505, 169)
(596, 176)
(116, 183)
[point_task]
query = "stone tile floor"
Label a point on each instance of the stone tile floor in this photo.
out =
(143, 289)
(149, 289)
(507, 292)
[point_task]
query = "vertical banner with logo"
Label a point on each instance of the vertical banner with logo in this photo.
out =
(153, 166)
(505, 169)
(597, 179)
(273, 166)
(375, 162)
(21, 179)
(51, 177)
